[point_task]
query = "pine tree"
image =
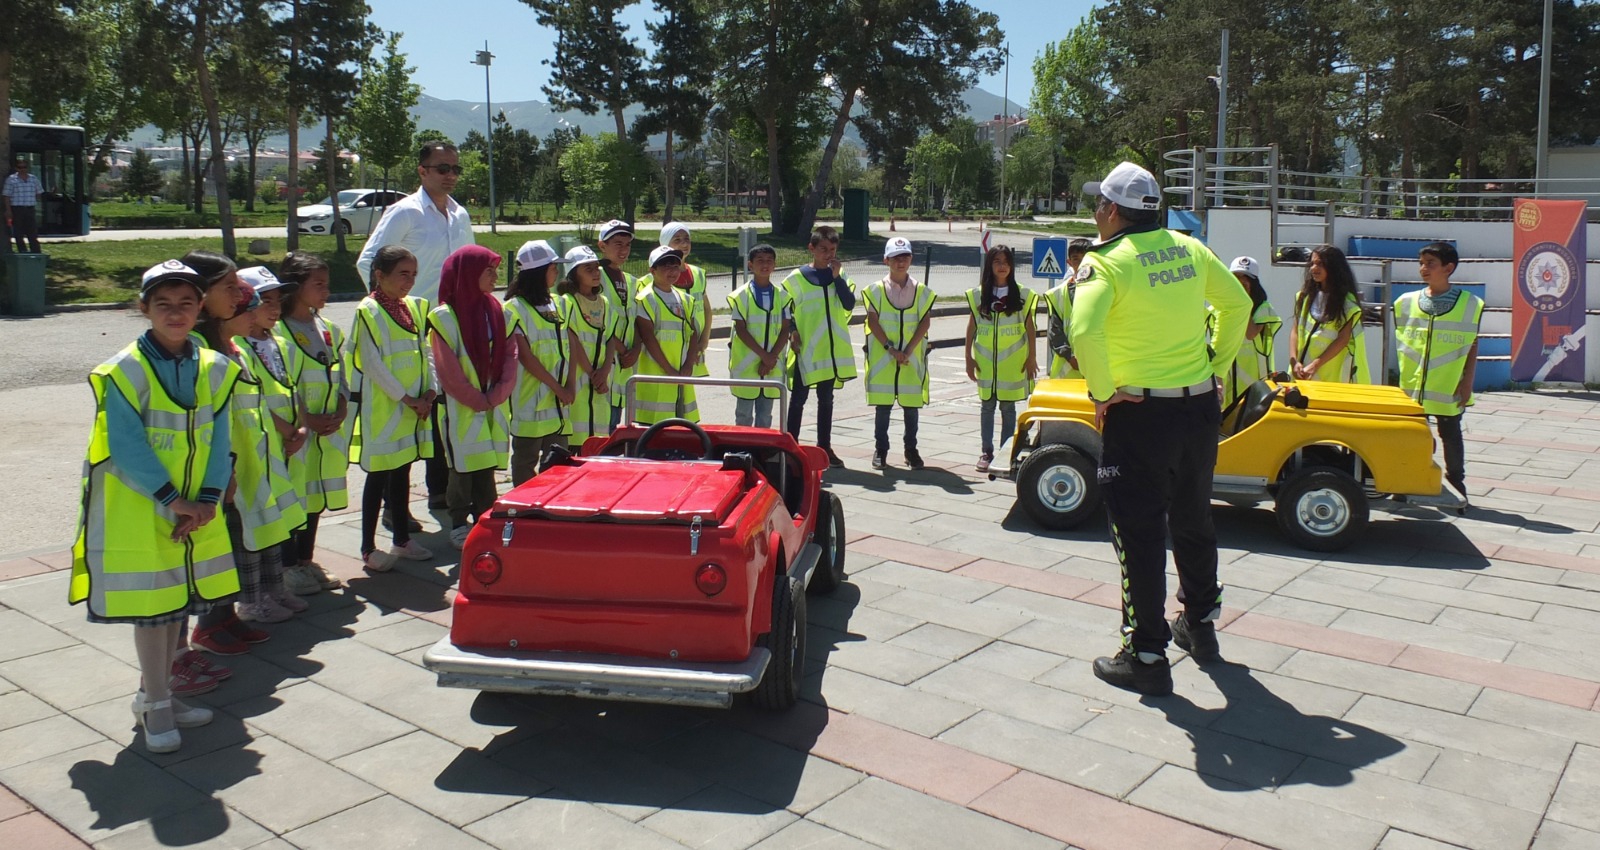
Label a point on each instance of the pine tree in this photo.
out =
(141, 178)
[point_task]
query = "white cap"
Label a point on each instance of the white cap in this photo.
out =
(1129, 186)
(580, 255)
(897, 246)
(664, 251)
(671, 229)
(1247, 265)
(261, 279)
(535, 254)
(613, 227)
(170, 270)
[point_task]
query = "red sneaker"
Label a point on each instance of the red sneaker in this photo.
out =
(204, 664)
(244, 631)
(218, 641)
(188, 679)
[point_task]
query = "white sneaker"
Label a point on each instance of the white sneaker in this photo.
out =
(263, 610)
(299, 581)
(327, 580)
(184, 715)
(458, 536)
(377, 562)
(286, 599)
(412, 551)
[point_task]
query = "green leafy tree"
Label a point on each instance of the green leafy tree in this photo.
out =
(252, 82)
(650, 204)
(700, 193)
(603, 172)
(676, 95)
(380, 117)
(37, 86)
(239, 182)
(267, 193)
(141, 178)
(549, 182)
(1030, 166)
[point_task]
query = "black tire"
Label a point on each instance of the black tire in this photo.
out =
(1057, 487)
(780, 686)
(1321, 508)
(829, 573)
(345, 227)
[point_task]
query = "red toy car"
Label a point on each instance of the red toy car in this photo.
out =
(663, 564)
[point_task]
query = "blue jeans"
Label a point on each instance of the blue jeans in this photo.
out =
(1008, 423)
(755, 412)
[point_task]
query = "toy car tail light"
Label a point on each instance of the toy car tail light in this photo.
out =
(486, 568)
(711, 579)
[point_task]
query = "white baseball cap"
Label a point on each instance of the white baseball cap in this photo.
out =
(671, 229)
(170, 270)
(261, 279)
(613, 227)
(1129, 186)
(535, 254)
(580, 255)
(664, 251)
(1246, 265)
(897, 246)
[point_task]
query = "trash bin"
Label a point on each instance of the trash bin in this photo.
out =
(23, 294)
(565, 243)
(857, 203)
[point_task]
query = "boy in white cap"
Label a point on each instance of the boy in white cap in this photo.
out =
(675, 235)
(762, 323)
(899, 310)
(616, 244)
(672, 327)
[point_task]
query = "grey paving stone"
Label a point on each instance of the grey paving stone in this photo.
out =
(1578, 620)
(865, 620)
(208, 826)
(1344, 741)
(114, 639)
(892, 816)
(1015, 660)
(1067, 640)
(931, 582)
(18, 707)
(1336, 573)
(359, 671)
(1350, 598)
(42, 597)
(1106, 768)
(942, 641)
(887, 662)
(1299, 610)
(1577, 798)
(719, 818)
(463, 717)
(885, 510)
(454, 784)
(985, 546)
(56, 733)
(1422, 809)
(1402, 685)
(1189, 745)
(1001, 694)
(768, 771)
(1468, 599)
(1261, 572)
(322, 722)
(805, 835)
(559, 824)
(26, 636)
(979, 617)
(622, 779)
(72, 677)
(1261, 816)
(1494, 780)
(904, 708)
(1040, 606)
(896, 529)
(1573, 597)
(99, 790)
(1562, 721)
(1468, 734)
(275, 784)
(114, 720)
(385, 822)
(1476, 643)
(1397, 840)
(405, 634)
(1554, 835)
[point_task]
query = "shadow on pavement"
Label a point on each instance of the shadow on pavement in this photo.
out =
(889, 479)
(130, 789)
(1260, 741)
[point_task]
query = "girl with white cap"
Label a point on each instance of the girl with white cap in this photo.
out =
(539, 404)
(1255, 355)
(591, 319)
(675, 235)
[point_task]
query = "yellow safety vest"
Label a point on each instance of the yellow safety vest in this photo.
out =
(674, 334)
(325, 459)
(697, 288)
(590, 411)
(124, 560)
(264, 495)
(1254, 361)
(281, 400)
(1000, 348)
(821, 349)
(766, 327)
(1433, 349)
(1316, 336)
(889, 382)
(535, 412)
(1058, 301)
(625, 299)
(473, 440)
(388, 434)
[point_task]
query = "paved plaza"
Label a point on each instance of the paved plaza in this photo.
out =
(1433, 687)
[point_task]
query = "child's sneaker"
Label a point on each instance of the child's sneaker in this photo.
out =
(983, 462)
(458, 535)
(327, 580)
(834, 460)
(263, 610)
(877, 460)
(377, 562)
(913, 459)
(218, 641)
(288, 600)
(249, 634)
(202, 663)
(189, 678)
(300, 581)
(412, 551)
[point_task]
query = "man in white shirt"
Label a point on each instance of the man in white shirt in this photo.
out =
(429, 222)
(21, 196)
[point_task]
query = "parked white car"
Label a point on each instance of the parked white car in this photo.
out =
(359, 211)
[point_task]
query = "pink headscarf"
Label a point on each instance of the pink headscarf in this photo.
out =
(483, 324)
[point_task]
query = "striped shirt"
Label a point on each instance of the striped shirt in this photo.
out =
(23, 191)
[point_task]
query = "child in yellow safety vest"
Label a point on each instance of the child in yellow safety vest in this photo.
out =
(821, 357)
(1436, 341)
(762, 323)
(692, 278)
(476, 363)
(899, 311)
(546, 384)
(148, 548)
(394, 429)
(615, 245)
(317, 370)
(672, 327)
(1000, 350)
(1325, 341)
(1058, 301)
(1254, 361)
(592, 319)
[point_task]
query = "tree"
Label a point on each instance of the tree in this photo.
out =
(676, 96)
(550, 183)
(141, 178)
(604, 172)
(37, 86)
(380, 118)
(1029, 169)
(239, 185)
(650, 204)
(700, 193)
(203, 15)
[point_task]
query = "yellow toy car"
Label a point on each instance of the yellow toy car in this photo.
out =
(1317, 450)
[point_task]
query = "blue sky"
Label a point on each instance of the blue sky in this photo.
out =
(441, 38)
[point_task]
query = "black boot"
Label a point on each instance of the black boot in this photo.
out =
(1199, 641)
(1125, 670)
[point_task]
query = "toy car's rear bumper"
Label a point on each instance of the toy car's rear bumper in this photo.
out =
(596, 676)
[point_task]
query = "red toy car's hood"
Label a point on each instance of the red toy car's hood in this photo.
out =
(629, 490)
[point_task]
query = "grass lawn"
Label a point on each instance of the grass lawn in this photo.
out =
(97, 272)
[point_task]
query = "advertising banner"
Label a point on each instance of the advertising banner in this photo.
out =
(1547, 323)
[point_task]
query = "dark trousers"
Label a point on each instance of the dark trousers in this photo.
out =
(1455, 453)
(470, 494)
(436, 469)
(305, 540)
(25, 223)
(880, 430)
(1155, 474)
(388, 491)
(797, 408)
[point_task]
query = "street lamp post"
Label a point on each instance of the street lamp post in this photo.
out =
(1005, 105)
(484, 58)
(1541, 154)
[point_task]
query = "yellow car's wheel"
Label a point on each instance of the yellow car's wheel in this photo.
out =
(1056, 486)
(1321, 508)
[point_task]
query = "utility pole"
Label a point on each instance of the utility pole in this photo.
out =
(1541, 170)
(484, 58)
(1005, 121)
(1222, 121)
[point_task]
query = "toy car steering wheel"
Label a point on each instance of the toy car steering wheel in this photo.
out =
(650, 433)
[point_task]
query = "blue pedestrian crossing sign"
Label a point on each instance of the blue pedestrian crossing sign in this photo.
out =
(1050, 258)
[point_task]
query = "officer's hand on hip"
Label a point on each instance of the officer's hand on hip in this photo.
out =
(1118, 397)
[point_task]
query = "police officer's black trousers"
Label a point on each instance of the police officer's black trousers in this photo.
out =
(1155, 473)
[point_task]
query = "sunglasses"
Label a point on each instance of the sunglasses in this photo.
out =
(444, 168)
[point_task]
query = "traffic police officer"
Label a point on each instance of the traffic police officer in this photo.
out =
(1139, 333)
